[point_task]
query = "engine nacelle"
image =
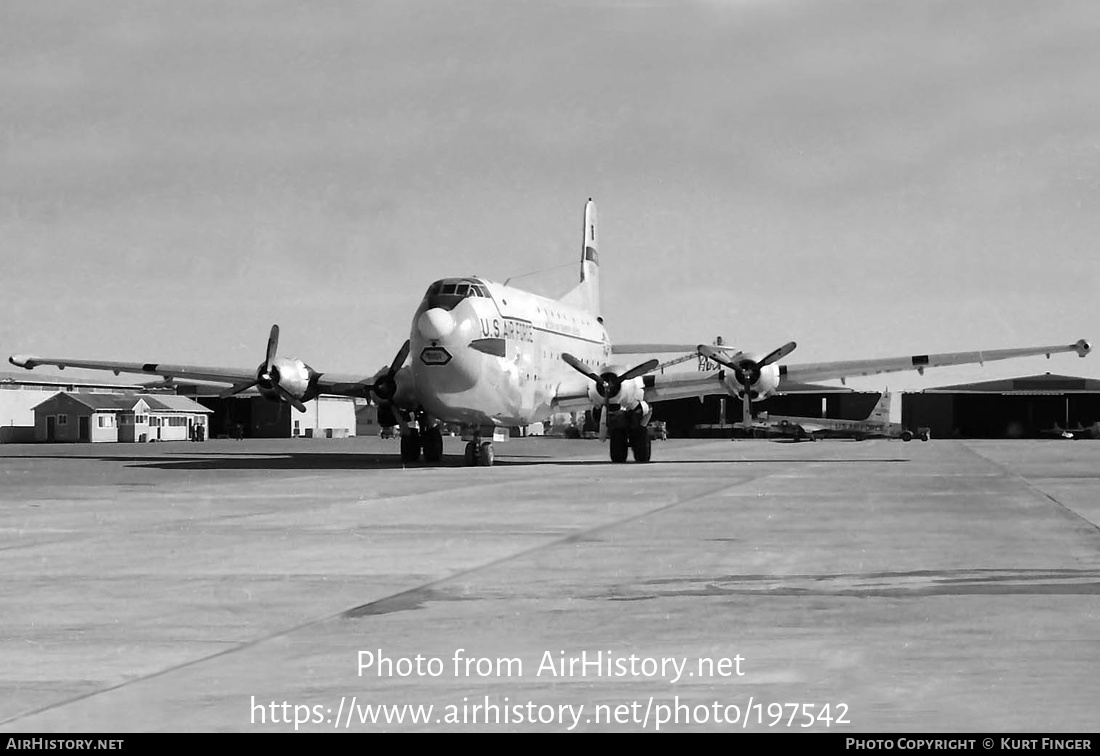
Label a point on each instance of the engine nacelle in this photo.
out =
(764, 386)
(628, 394)
(293, 376)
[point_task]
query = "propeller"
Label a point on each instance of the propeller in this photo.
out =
(385, 386)
(747, 371)
(267, 377)
(384, 389)
(608, 383)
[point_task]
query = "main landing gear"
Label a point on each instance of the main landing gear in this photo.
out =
(429, 441)
(627, 433)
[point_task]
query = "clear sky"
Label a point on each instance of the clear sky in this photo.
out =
(866, 178)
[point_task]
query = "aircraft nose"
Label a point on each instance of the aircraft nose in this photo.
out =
(435, 324)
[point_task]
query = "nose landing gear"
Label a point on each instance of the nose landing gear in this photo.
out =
(479, 453)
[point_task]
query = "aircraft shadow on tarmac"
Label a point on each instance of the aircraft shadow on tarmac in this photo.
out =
(911, 584)
(315, 461)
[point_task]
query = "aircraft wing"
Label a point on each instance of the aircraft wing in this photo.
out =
(660, 388)
(807, 425)
(821, 371)
(327, 383)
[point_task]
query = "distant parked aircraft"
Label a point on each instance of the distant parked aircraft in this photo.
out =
(1093, 431)
(875, 425)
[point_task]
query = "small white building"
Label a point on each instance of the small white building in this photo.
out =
(163, 417)
(108, 418)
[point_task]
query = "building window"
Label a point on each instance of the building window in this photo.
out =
(62, 419)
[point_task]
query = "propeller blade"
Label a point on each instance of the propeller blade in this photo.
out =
(642, 369)
(272, 346)
(234, 390)
(603, 423)
(778, 354)
(294, 401)
(399, 360)
(746, 411)
(580, 367)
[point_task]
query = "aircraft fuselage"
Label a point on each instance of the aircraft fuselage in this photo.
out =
(485, 354)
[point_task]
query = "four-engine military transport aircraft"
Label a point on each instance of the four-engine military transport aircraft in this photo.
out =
(486, 355)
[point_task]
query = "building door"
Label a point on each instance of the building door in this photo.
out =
(84, 428)
(51, 428)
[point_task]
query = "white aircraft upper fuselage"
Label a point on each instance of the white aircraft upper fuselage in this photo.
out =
(482, 353)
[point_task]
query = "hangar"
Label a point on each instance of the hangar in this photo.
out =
(1034, 406)
(256, 417)
(99, 418)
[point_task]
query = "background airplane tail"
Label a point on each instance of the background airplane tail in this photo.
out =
(881, 412)
(587, 293)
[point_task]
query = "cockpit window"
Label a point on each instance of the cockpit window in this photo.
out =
(447, 294)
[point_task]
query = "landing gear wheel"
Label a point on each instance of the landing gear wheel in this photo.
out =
(641, 444)
(471, 454)
(433, 444)
(620, 444)
(486, 454)
(410, 447)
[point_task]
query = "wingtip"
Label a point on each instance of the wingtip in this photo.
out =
(1082, 347)
(24, 361)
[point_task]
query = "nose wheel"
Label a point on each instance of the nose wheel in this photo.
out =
(479, 454)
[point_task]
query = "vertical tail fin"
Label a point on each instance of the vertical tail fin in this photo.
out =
(881, 412)
(587, 293)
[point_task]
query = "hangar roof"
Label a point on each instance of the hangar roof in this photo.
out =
(1032, 384)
